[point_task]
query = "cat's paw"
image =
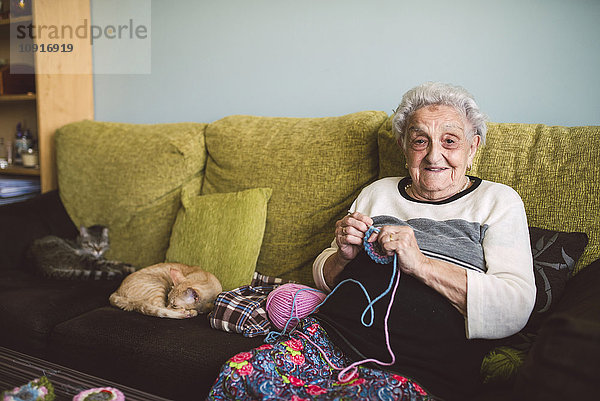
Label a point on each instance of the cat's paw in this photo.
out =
(190, 313)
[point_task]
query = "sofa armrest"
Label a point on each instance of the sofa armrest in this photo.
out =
(565, 359)
(21, 223)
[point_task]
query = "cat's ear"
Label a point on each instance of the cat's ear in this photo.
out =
(105, 233)
(176, 275)
(83, 231)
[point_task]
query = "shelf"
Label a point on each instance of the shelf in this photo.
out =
(16, 20)
(60, 97)
(17, 170)
(17, 98)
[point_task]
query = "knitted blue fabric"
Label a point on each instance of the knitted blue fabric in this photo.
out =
(373, 250)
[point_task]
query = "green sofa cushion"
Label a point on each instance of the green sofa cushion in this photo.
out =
(391, 158)
(554, 169)
(128, 177)
(548, 166)
(222, 233)
(315, 166)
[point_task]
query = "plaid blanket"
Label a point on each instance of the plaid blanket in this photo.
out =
(242, 310)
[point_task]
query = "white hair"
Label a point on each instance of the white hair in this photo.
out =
(436, 93)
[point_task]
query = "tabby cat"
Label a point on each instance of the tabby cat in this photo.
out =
(80, 259)
(169, 290)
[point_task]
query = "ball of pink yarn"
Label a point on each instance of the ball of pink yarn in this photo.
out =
(281, 306)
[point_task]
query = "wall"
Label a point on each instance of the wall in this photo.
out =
(524, 60)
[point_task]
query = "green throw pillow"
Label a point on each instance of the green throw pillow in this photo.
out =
(222, 233)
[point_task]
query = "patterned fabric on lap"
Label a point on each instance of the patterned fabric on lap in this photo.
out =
(294, 369)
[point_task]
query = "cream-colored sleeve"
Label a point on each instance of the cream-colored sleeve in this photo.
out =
(319, 262)
(318, 267)
(500, 301)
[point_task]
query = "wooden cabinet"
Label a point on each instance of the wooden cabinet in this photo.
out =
(63, 82)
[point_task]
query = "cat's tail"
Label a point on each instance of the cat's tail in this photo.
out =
(93, 270)
(149, 309)
(82, 274)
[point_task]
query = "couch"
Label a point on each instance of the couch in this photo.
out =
(248, 193)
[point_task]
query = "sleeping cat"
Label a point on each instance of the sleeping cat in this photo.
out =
(169, 290)
(80, 259)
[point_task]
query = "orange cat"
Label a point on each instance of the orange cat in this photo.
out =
(169, 290)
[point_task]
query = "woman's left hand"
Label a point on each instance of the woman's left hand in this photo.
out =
(401, 240)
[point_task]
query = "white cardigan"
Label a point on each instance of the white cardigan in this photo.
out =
(501, 290)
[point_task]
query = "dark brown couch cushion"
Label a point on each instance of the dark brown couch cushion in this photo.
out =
(176, 359)
(30, 306)
(564, 362)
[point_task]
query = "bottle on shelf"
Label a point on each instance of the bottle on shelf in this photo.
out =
(23, 141)
(27, 140)
(30, 157)
(3, 154)
(17, 145)
(9, 153)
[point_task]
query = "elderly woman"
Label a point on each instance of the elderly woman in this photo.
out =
(461, 246)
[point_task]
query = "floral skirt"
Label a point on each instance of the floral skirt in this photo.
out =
(295, 369)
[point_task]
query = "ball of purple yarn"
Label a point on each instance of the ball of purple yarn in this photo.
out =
(282, 308)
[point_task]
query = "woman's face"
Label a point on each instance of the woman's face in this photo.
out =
(438, 152)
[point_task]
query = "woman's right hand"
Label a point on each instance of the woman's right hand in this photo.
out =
(349, 234)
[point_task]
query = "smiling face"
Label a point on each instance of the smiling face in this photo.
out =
(438, 151)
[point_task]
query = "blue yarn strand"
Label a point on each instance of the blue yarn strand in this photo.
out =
(274, 336)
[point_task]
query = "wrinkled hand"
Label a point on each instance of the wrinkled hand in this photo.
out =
(349, 234)
(401, 240)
